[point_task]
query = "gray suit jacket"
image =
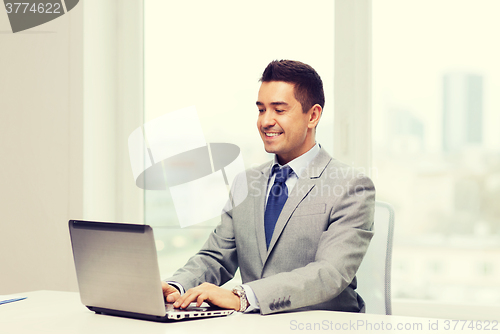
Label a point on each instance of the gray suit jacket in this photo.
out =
(318, 243)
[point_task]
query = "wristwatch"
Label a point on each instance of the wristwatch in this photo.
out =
(240, 292)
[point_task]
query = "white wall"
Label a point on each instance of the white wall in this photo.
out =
(41, 149)
(71, 91)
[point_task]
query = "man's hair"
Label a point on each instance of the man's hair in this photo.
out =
(308, 85)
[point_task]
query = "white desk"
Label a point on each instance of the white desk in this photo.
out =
(62, 312)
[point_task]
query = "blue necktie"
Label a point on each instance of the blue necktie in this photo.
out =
(277, 198)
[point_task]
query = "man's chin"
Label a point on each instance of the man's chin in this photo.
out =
(270, 149)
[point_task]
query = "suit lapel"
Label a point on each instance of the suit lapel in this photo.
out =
(299, 191)
(305, 183)
(259, 204)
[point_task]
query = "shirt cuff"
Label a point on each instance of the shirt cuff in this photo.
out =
(253, 303)
(178, 286)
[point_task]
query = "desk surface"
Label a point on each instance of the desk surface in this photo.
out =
(62, 312)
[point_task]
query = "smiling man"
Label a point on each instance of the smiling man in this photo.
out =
(285, 128)
(302, 231)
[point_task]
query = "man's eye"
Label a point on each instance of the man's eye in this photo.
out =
(261, 110)
(279, 110)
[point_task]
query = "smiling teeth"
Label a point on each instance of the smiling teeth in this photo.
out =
(274, 134)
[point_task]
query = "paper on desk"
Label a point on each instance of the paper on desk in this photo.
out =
(10, 299)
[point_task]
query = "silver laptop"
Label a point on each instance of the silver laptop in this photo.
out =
(117, 270)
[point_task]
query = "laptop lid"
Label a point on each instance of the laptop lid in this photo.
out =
(117, 267)
(117, 271)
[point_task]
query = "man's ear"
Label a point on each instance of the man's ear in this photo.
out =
(314, 116)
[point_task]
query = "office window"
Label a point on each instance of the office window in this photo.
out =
(211, 55)
(436, 145)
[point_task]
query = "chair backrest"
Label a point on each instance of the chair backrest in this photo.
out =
(374, 274)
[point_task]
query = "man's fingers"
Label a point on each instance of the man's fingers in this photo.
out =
(189, 299)
(211, 294)
(171, 293)
(190, 296)
(201, 298)
(181, 301)
(173, 297)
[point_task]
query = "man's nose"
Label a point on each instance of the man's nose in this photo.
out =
(268, 119)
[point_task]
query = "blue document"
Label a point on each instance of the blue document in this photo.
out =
(10, 299)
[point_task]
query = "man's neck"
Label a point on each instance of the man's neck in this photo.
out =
(302, 160)
(283, 160)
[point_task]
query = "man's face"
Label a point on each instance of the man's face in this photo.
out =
(285, 130)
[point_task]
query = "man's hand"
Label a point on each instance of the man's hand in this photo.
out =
(171, 294)
(210, 293)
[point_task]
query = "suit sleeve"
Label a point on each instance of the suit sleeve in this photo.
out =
(340, 251)
(217, 260)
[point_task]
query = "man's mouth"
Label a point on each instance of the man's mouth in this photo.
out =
(272, 134)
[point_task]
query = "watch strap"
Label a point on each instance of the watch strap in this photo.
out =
(240, 292)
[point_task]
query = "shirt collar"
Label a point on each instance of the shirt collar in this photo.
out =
(300, 163)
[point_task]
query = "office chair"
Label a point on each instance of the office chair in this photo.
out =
(374, 273)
